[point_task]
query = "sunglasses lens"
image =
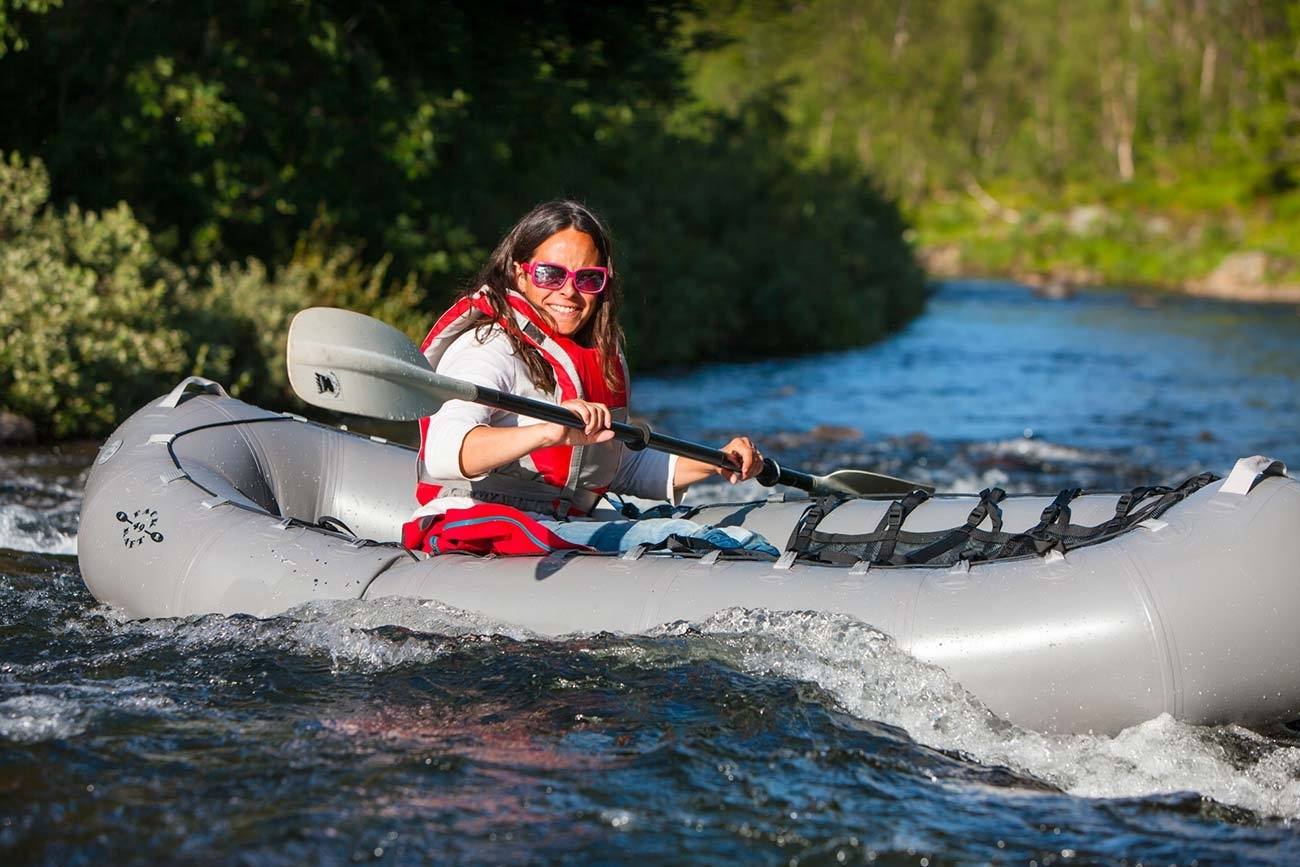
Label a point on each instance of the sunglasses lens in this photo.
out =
(589, 280)
(548, 276)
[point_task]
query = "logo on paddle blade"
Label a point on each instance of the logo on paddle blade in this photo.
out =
(328, 383)
(139, 527)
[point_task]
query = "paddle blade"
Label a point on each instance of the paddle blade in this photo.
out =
(864, 484)
(347, 362)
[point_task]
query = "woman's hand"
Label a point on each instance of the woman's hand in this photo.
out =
(745, 455)
(596, 420)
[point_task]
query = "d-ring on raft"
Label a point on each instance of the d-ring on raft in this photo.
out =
(1106, 610)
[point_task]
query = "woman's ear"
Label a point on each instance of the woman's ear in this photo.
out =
(520, 277)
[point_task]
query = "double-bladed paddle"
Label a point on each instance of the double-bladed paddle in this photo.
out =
(352, 363)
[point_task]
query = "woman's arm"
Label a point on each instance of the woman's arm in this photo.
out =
(485, 448)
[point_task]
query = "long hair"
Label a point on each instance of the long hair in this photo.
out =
(601, 331)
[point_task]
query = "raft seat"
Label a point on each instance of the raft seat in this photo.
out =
(291, 470)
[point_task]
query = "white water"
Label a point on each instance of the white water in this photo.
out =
(872, 679)
(36, 531)
(857, 666)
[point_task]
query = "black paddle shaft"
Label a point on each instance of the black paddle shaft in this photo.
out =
(640, 436)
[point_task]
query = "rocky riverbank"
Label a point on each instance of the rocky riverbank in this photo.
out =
(1233, 255)
(1240, 276)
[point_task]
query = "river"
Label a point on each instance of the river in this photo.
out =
(755, 737)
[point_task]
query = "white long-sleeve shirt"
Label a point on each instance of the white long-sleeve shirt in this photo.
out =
(493, 364)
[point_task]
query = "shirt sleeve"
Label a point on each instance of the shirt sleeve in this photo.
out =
(646, 473)
(490, 364)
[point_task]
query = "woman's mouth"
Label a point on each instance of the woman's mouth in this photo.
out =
(563, 310)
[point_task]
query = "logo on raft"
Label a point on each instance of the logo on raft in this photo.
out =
(328, 383)
(139, 526)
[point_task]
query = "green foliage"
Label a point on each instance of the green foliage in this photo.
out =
(12, 14)
(928, 92)
(94, 321)
(1179, 112)
(248, 308)
(85, 301)
(279, 155)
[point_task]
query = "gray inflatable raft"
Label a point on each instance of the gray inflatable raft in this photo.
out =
(203, 504)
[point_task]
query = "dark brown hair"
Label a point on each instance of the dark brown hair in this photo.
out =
(602, 331)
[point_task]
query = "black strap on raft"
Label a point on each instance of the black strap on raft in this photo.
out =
(690, 546)
(892, 545)
(808, 521)
(1124, 505)
(1050, 531)
(892, 523)
(329, 522)
(988, 505)
(1167, 497)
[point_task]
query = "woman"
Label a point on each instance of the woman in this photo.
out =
(542, 322)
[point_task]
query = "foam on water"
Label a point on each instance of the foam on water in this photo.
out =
(40, 501)
(859, 667)
(871, 678)
(38, 531)
(348, 635)
(35, 718)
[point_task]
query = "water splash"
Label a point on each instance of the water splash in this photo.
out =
(38, 531)
(36, 718)
(872, 679)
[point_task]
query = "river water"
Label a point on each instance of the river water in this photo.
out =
(330, 735)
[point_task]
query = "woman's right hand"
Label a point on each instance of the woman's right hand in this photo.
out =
(596, 425)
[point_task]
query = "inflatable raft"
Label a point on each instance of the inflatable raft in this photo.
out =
(1067, 612)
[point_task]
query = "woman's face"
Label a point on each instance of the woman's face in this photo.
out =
(567, 309)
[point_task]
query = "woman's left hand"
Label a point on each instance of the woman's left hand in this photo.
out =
(745, 455)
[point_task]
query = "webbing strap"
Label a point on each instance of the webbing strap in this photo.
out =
(1050, 530)
(1053, 532)
(801, 535)
(892, 523)
(988, 504)
(1124, 505)
(1170, 497)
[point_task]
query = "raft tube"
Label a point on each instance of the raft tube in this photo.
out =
(201, 504)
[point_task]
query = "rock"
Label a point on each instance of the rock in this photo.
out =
(1158, 226)
(1086, 218)
(1239, 271)
(16, 430)
(1245, 276)
(941, 261)
(1055, 289)
(835, 433)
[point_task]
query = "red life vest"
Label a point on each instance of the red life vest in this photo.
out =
(559, 480)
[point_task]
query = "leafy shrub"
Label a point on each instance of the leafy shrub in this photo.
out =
(85, 309)
(250, 307)
(94, 322)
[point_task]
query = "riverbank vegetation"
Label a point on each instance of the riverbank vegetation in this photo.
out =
(1150, 142)
(180, 177)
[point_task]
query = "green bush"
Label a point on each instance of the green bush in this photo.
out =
(94, 322)
(249, 307)
(85, 310)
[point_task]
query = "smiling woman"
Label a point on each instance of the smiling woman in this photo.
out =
(541, 321)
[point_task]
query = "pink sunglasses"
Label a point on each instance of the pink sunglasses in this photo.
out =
(551, 277)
